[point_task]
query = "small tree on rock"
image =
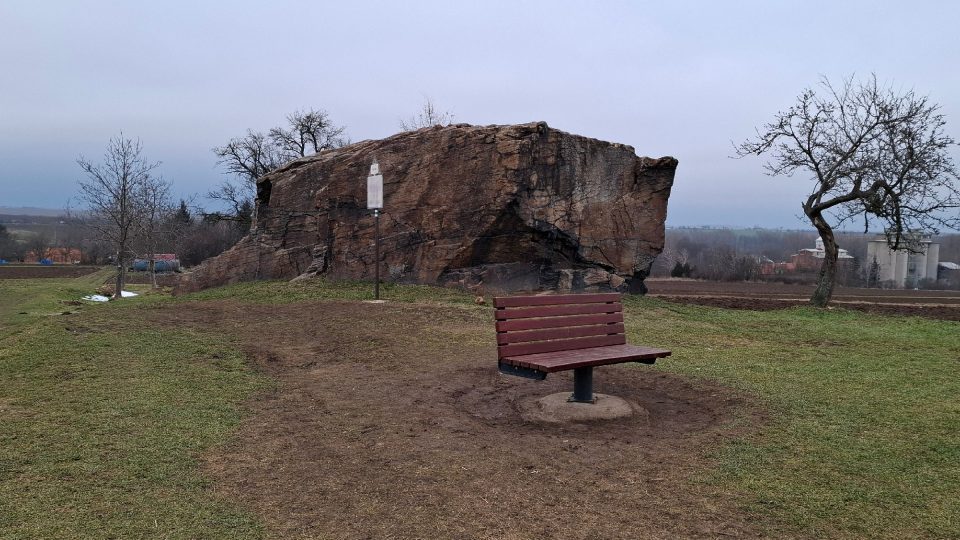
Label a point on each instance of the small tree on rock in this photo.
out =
(872, 153)
(428, 116)
(306, 133)
(255, 154)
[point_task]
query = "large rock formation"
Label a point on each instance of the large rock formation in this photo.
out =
(513, 208)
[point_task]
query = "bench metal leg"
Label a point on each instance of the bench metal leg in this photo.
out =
(582, 386)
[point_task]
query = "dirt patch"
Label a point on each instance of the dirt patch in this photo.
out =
(33, 271)
(391, 421)
(557, 408)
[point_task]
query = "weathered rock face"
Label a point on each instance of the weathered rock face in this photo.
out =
(508, 208)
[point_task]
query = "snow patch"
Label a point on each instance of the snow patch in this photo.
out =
(102, 298)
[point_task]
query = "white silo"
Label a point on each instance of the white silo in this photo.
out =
(901, 267)
(933, 260)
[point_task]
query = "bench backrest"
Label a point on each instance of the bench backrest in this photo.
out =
(550, 323)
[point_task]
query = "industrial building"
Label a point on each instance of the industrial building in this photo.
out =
(902, 268)
(948, 275)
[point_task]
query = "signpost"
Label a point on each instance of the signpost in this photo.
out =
(375, 203)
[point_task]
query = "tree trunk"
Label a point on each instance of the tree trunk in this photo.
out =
(828, 270)
(153, 262)
(117, 291)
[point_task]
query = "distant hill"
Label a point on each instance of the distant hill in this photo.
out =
(30, 211)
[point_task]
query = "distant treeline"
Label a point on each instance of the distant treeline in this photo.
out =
(735, 254)
(192, 238)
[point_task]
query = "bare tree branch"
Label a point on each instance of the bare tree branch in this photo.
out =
(255, 154)
(111, 192)
(155, 209)
(870, 152)
(428, 116)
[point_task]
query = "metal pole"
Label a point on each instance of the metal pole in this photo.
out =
(376, 219)
(582, 385)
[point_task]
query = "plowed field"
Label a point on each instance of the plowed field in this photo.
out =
(765, 296)
(31, 271)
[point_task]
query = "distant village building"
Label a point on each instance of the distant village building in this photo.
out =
(56, 255)
(810, 260)
(807, 262)
(902, 268)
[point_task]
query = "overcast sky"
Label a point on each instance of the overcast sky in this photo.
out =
(669, 78)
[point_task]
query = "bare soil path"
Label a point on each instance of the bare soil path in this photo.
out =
(390, 421)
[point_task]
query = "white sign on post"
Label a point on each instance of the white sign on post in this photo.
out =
(374, 188)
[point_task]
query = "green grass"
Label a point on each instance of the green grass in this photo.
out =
(864, 432)
(26, 301)
(103, 420)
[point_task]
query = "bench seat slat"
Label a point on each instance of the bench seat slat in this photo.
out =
(554, 311)
(558, 322)
(504, 338)
(599, 356)
(554, 299)
(537, 347)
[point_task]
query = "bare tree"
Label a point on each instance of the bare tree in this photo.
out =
(156, 208)
(204, 239)
(307, 132)
(39, 243)
(8, 244)
(237, 195)
(428, 116)
(872, 153)
(249, 157)
(110, 193)
(94, 248)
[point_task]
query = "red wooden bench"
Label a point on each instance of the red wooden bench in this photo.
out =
(537, 335)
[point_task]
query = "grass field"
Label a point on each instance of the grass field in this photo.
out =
(865, 432)
(103, 420)
(27, 301)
